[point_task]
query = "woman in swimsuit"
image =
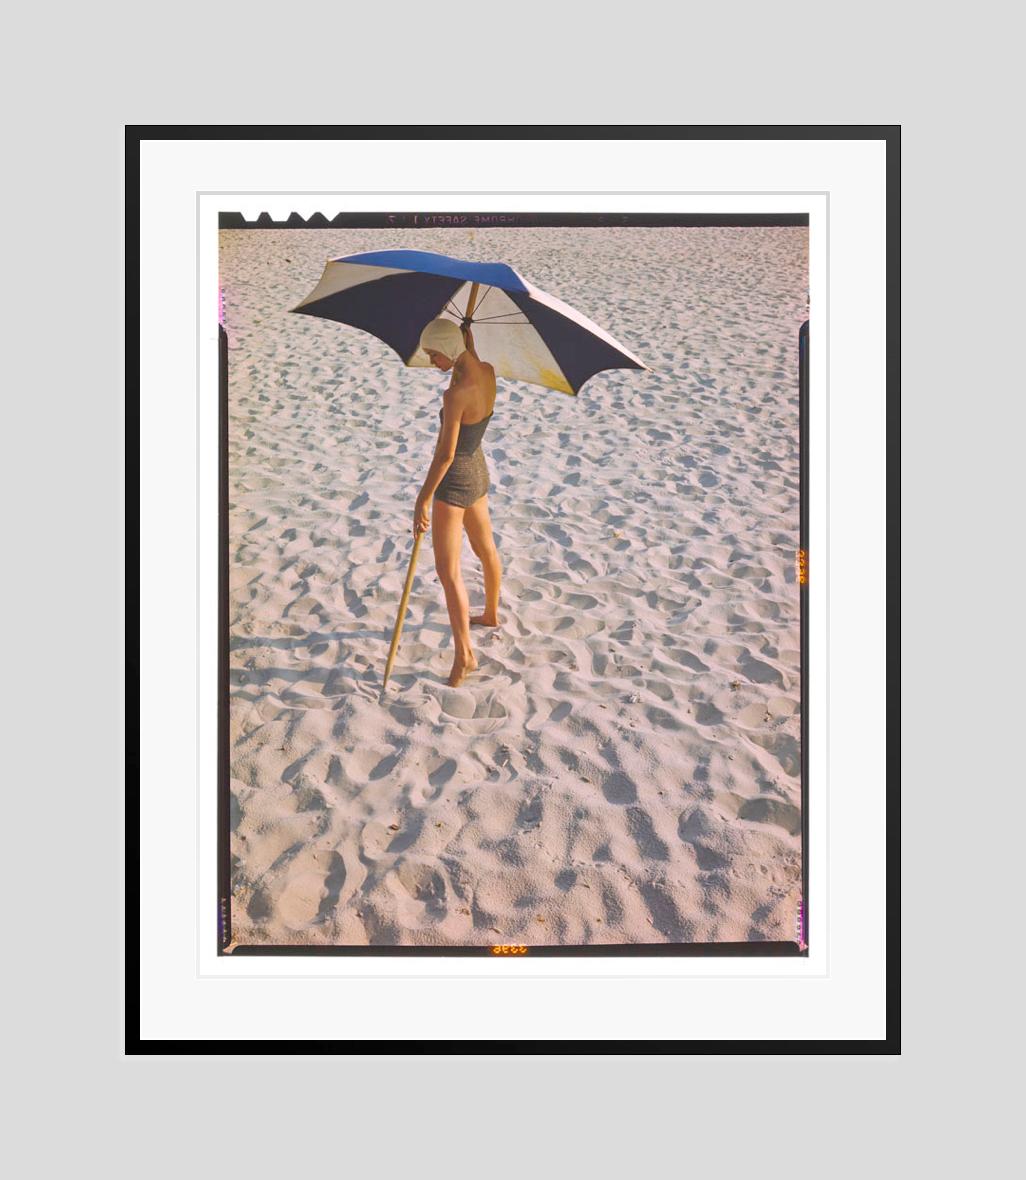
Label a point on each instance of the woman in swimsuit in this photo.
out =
(457, 484)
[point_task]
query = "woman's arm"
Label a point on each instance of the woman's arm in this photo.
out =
(468, 340)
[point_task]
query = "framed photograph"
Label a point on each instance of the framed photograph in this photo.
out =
(574, 725)
(515, 518)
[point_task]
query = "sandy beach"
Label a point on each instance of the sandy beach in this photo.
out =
(624, 765)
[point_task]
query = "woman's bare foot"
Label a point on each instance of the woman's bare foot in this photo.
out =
(460, 670)
(485, 620)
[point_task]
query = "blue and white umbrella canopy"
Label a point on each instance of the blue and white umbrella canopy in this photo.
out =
(526, 334)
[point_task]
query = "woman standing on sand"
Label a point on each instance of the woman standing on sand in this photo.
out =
(457, 484)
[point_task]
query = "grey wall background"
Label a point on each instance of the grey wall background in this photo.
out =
(79, 76)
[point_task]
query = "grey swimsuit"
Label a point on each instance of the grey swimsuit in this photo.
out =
(467, 477)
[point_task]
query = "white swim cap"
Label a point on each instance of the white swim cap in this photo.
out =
(443, 336)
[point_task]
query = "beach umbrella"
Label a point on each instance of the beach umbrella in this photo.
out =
(523, 332)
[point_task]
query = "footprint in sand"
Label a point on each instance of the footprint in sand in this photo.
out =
(648, 843)
(442, 773)
(784, 748)
(706, 713)
(619, 788)
(458, 703)
(311, 889)
(687, 660)
(781, 707)
(426, 885)
(529, 814)
(754, 716)
(465, 705)
(772, 811)
(665, 916)
(374, 839)
(759, 672)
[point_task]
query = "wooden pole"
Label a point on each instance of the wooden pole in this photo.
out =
(471, 302)
(402, 609)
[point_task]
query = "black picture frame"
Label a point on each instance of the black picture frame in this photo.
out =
(134, 137)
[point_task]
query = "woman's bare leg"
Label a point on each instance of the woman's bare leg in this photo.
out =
(478, 524)
(447, 540)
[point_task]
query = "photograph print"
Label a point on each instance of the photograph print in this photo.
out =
(512, 584)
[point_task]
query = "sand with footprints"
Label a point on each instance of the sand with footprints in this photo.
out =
(624, 765)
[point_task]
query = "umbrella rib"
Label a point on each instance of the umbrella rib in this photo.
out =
(451, 307)
(487, 319)
(482, 299)
(444, 307)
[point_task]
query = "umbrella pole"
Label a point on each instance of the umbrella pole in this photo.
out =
(472, 300)
(402, 609)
